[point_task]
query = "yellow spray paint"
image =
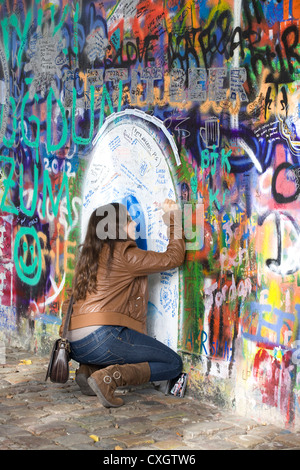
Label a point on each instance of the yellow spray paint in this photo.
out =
(274, 294)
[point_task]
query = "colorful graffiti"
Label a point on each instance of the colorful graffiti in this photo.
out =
(220, 82)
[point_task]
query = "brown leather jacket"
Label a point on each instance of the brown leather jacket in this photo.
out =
(121, 296)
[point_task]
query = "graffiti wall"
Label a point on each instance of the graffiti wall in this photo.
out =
(135, 101)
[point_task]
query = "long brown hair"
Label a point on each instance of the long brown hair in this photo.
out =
(105, 226)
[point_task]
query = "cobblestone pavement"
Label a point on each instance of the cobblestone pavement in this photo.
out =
(39, 415)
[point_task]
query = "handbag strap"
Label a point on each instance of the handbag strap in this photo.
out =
(68, 317)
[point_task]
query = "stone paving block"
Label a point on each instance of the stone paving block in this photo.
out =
(167, 415)
(288, 440)
(110, 432)
(151, 403)
(73, 439)
(121, 420)
(267, 432)
(16, 378)
(162, 434)
(240, 422)
(10, 430)
(4, 418)
(82, 447)
(106, 444)
(52, 446)
(87, 399)
(23, 423)
(169, 424)
(42, 428)
(246, 441)
(30, 442)
(62, 408)
(135, 440)
(198, 429)
(124, 412)
(5, 444)
(50, 419)
(83, 411)
(92, 421)
(25, 412)
(135, 426)
(169, 444)
(269, 446)
(36, 405)
(146, 447)
(204, 443)
(171, 400)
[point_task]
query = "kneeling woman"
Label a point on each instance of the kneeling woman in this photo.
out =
(107, 330)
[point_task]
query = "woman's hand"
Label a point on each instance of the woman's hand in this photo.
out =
(169, 205)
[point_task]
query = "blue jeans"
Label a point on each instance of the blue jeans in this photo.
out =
(119, 345)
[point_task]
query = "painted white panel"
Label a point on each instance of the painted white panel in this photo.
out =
(129, 164)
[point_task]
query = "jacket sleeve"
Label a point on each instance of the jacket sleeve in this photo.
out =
(142, 262)
(64, 310)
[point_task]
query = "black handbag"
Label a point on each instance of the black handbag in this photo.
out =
(58, 368)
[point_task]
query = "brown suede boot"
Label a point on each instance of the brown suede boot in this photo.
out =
(82, 374)
(104, 382)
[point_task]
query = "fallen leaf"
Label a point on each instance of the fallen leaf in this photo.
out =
(26, 362)
(94, 437)
(118, 448)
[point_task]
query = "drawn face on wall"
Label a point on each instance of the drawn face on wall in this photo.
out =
(27, 255)
(28, 252)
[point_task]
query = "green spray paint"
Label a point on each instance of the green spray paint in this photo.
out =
(47, 187)
(193, 309)
(77, 139)
(8, 184)
(64, 136)
(31, 211)
(31, 143)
